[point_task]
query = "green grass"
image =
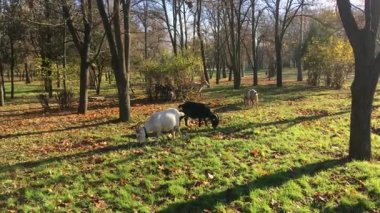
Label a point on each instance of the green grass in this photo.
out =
(287, 156)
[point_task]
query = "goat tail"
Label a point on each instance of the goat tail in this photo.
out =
(181, 114)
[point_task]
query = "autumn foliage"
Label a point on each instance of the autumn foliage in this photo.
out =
(329, 61)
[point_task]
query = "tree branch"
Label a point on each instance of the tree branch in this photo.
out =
(70, 26)
(99, 49)
(349, 23)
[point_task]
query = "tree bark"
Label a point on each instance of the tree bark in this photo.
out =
(83, 47)
(199, 12)
(127, 53)
(2, 83)
(361, 109)
(99, 80)
(83, 88)
(58, 76)
(299, 51)
(167, 22)
(46, 66)
(367, 69)
(27, 74)
(117, 57)
(279, 61)
(12, 68)
(2, 101)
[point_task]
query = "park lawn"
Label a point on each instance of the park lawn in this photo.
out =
(288, 155)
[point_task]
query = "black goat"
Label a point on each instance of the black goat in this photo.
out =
(198, 110)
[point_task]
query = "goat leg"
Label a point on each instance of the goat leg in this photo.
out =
(199, 122)
(173, 133)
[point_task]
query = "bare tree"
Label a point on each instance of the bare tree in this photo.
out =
(283, 13)
(367, 69)
(236, 15)
(199, 13)
(254, 25)
(119, 51)
(2, 101)
(82, 44)
(172, 29)
(299, 50)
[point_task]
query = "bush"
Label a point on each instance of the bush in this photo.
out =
(64, 99)
(329, 60)
(172, 73)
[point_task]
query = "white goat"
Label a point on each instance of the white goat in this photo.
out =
(251, 97)
(160, 122)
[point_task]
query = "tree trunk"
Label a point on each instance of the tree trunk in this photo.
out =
(2, 83)
(99, 81)
(64, 61)
(146, 29)
(83, 89)
(279, 63)
(237, 79)
(27, 74)
(199, 12)
(229, 74)
(367, 68)
(2, 102)
(181, 38)
(300, 49)
(127, 54)
(12, 69)
(224, 70)
(299, 68)
(218, 72)
(254, 53)
(175, 26)
(361, 109)
(46, 67)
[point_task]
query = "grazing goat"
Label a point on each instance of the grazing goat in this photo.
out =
(160, 122)
(251, 97)
(198, 110)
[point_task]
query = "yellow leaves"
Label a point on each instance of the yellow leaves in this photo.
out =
(331, 57)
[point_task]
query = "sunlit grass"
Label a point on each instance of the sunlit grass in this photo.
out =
(287, 156)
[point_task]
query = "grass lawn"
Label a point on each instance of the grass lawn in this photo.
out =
(287, 156)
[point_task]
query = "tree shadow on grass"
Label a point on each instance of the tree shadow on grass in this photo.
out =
(103, 150)
(229, 108)
(58, 130)
(37, 112)
(209, 201)
(288, 122)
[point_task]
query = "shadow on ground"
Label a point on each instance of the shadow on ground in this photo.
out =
(209, 201)
(58, 130)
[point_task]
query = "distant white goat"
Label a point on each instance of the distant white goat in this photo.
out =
(251, 97)
(160, 122)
